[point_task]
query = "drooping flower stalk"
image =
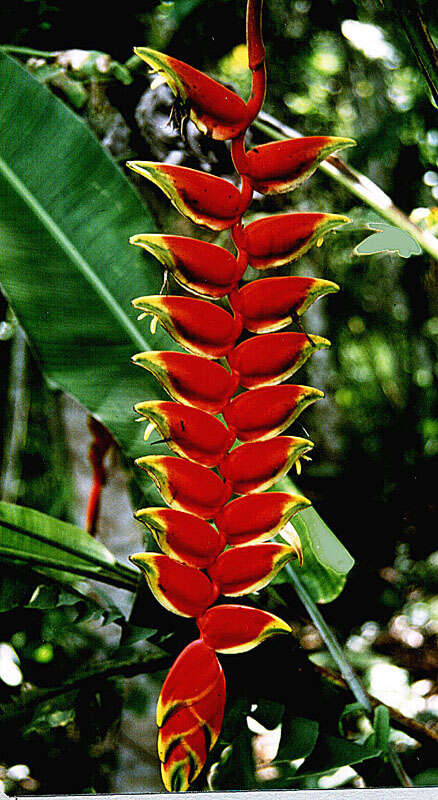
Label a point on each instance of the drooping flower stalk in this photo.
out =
(101, 443)
(213, 544)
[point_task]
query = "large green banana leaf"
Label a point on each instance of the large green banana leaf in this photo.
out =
(66, 214)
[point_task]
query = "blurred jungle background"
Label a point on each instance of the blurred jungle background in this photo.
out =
(334, 67)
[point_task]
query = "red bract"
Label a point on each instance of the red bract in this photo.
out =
(186, 486)
(271, 358)
(184, 733)
(282, 166)
(191, 433)
(258, 517)
(273, 241)
(189, 713)
(249, 568)
(181, 589)
(269, 304)
(236, 629)
(203, 268)
(204, 199)
(215, 109)
(200, 327)
(194, 674)
(256, 466)
(177, 773)
(204, 714)
(188, 734)
(266, 412)
(183, 536)
(190, 379)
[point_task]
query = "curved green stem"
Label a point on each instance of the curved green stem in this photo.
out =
(342, 662)
(28, 51)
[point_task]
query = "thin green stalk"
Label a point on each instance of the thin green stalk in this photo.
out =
(356, 183)
(28, 51)
(342, 662)
(127, 667)
(329, 638)
(112, 579)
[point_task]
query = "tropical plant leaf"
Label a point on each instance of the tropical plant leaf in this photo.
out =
(332, 752)
(298, 738)
(59, 550)
(236, 766)
(323, 583)
(66, 214)
(268, 713)
(57, 712)
(326, 562)
(382, 728)
(235, 719)
(23, 530)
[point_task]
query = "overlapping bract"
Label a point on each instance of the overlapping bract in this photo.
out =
(214, 544)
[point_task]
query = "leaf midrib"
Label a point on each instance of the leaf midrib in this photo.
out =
(73, 254)
(92, 558)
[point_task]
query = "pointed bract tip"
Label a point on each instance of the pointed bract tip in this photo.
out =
(343, 219)
(342, 142)
(141, 167)
(139, 559)
(320, 341)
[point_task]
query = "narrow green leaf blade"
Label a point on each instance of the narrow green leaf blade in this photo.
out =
(24, 531)
(298, 738)
(332, 752)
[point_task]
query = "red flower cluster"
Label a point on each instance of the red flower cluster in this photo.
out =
(231, 554)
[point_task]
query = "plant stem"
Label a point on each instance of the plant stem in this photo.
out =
(344, 665)
(128, 667)
(414, 729)
(330, 640)
(356, 183)
(28, 51)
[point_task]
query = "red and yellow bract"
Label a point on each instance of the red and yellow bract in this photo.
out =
(213, 544)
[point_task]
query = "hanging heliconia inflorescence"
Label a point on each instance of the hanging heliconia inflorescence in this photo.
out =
(213, 544)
